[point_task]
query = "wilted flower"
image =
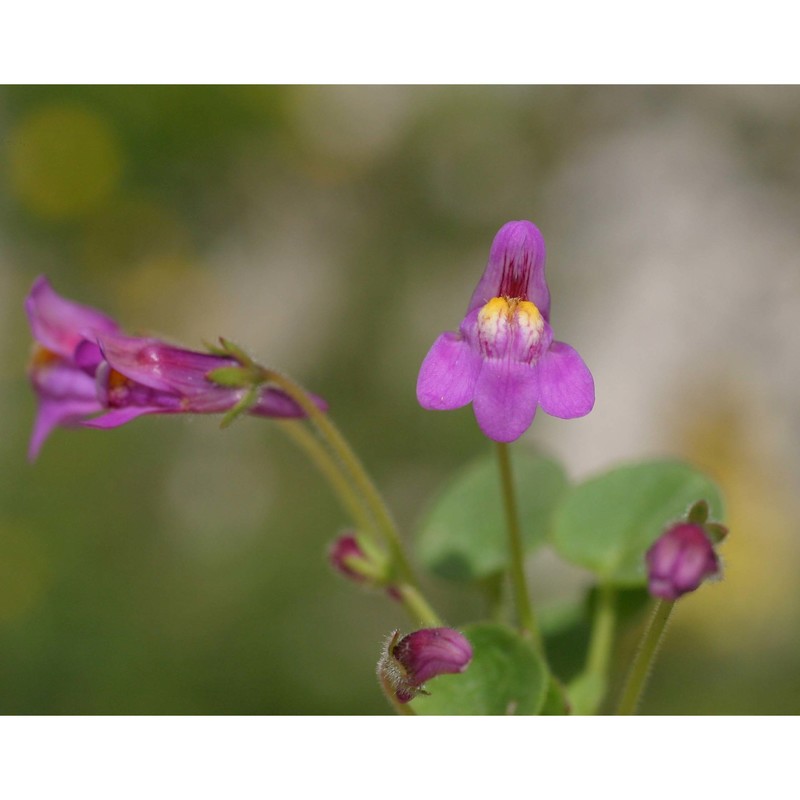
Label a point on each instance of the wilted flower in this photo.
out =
(503, 358)
(64, 384)
(680, 560)
(147, 376)
(408, 662)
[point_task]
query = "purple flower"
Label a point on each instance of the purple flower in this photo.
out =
(503, 359)
(148, 376)
(408, 662)
(680, 560)
(64, 384)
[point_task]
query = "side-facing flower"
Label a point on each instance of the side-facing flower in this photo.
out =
(503, 359)
(148, 376)
(680, 560)
(407, 662)
(64, 384)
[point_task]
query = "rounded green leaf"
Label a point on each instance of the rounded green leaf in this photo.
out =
(606, 524)
(463, 536)
(506, 676)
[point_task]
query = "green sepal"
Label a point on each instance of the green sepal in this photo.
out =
(233, 377)
(698, 513)
(233, 350)
(463, 535)
(607, 523)
(715, 531)
(242, 407)
(506, 676)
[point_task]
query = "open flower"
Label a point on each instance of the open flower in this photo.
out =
(64, 384)
(680, 560)
(503, 359)
(409, 661)
(148, 376)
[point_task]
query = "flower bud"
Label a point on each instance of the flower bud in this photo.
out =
(408, 662)
(680, 560)
(348, 559)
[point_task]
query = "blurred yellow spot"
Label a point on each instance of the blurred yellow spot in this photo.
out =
(64, 161)
(757, 600)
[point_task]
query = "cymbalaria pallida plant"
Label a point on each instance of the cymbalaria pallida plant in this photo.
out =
(647, 533)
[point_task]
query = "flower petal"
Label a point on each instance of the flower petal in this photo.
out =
(566, 387)
(57, 323)
(119, 416)
(505, 398)
(515, 268)
(275, 403)
(53, 413)
(158, 365)
(448, 374)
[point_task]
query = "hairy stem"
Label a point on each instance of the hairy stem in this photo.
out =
(645, 655)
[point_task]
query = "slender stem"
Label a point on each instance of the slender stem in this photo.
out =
(597, 661)
(526, 617)
(407, 590)
(648, 647)
(417, 606)
(322, 459)
(352, 465)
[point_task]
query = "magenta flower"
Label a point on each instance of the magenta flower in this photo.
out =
(503, 359)
(408, 662)
(64, 384)
(147, 376)
(680, 560)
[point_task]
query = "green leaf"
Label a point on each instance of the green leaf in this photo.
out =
(606, 524)
(463, 536)
(506, 676)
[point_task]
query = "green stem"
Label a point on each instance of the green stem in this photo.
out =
(336, 472)
(645, 655)
(599, 657)
(351, 464)
(325, 463)
(525, 615)
(417, 606)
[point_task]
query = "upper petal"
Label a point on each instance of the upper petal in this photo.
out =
(159, 365)
(515, 268)
(59, 324)
(566, 387)
(505, 401)
(448, 374)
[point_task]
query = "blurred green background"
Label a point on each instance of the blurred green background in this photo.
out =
(170, 567)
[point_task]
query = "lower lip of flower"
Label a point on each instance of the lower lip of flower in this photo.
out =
(510, 326)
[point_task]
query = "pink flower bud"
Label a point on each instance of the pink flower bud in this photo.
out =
(345, 555)
(408, 662)
(680, 560)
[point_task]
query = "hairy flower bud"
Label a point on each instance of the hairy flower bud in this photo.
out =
(680, 560)
(409, 661)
